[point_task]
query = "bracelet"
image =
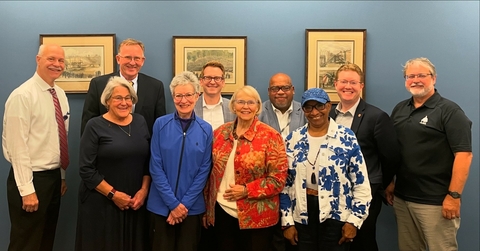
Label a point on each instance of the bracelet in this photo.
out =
(245, 193)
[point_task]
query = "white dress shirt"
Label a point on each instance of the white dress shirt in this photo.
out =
(213, 114)
(30, 138)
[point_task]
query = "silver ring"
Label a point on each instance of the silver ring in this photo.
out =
(351, 240)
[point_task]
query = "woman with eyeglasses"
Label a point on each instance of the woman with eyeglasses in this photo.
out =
(249, 172)
(114, 157)
(181, 152)
(327, 193)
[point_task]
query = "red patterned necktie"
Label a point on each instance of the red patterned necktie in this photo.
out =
(62, 132)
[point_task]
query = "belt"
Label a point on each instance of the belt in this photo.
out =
(312, 192)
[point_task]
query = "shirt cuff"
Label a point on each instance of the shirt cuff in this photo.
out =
(26, 189)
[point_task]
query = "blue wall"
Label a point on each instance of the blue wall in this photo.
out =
(445, 32)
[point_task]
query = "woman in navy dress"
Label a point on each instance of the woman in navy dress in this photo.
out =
(114, 158)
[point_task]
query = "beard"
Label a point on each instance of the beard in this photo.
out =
(420, 93)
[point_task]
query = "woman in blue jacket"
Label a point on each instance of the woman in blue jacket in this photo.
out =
(181, 150)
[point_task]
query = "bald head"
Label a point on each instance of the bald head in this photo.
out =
(280, 91)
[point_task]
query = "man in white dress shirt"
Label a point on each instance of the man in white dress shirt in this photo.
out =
(31, 143)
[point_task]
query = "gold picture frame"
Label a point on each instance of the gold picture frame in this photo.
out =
(190, 53)
(86, 56)
(328, 49)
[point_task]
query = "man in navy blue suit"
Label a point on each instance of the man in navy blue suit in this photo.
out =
(150, 92)
(378, 141)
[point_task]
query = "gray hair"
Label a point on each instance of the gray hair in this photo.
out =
(420, 61)
(116, 82)
(185, 78)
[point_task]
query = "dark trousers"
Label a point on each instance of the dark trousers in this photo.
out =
(207, 239)
(34, 231)
(318, 236)
(366, 235)
(279, 243)
(179, 237)
(229, 237)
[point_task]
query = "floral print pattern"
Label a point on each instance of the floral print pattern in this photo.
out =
(343, 185)
(260, 163)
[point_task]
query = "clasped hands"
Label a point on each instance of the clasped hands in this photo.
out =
(235, 192)
(125, 201)
(177, 215)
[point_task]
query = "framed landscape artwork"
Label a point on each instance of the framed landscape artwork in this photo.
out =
(328, 49)
(190, 53)
(86, 56)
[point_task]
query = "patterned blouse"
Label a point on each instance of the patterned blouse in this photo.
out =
(343, 185)
(260, 163)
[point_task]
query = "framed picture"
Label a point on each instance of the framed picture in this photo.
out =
(86, 56)
(326, 50)
(191, 53)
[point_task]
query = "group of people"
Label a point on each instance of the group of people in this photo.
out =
(234, 174)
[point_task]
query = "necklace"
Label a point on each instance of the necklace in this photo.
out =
(316, 158)
(127, 133)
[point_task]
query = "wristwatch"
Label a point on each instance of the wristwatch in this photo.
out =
(455, 195)
(111, 193)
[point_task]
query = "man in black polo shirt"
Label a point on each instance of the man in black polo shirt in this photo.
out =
(435, 140)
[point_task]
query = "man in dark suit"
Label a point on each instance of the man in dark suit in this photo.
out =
(150, 92)
(378, 141)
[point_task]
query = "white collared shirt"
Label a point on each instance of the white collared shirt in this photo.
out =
(346, 118)
(30, 138)
(284, 120)
(213, 114)
(135, 87)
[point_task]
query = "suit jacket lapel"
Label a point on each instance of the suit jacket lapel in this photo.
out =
(358, 116)
(141, 92)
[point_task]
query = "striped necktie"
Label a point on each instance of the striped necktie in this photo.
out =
(62, 132)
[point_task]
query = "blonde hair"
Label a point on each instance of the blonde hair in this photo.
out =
(249, 91)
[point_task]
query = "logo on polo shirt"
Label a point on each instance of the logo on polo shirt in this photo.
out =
(424, 121)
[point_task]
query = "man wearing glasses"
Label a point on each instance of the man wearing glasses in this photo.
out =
(285, 115)
(436, 144)
(213, 108)
(150, 92)
(281, 112)
(377, 139)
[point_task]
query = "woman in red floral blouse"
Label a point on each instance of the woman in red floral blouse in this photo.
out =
(249, 171)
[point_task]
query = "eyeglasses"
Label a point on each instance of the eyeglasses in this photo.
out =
(209, 79)
(249, 103)
(419, 76)
(127, 99)
(284, 88)
(187, 96)
(309, 108)
(346, 82)
(130, 58)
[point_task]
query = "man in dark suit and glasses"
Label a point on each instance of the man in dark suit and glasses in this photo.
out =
(150, 92)
(378, 141)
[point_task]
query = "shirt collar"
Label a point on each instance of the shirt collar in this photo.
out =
(289, 110)
(220, 101)
(135, 80)
(352, 109)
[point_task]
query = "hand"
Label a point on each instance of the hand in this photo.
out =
(451, 208)
(349, 231)
(122, 200)
(139, 198)
(389, 193)
(64, 187)
(291, 235)
(172, 221)
(30, 202)
(235, 192)
(204, 221)
(180, 212)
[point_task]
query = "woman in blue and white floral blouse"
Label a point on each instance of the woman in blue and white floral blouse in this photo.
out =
(327, 193)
